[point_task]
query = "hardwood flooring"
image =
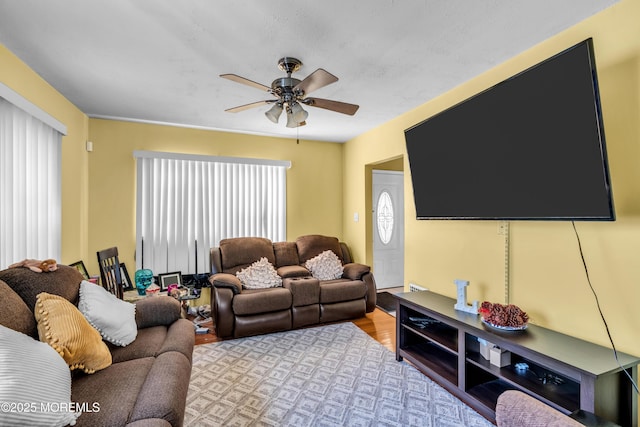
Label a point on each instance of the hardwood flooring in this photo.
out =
(379, 325)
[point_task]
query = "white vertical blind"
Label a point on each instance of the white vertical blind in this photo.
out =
(184, 201)
(30, 187)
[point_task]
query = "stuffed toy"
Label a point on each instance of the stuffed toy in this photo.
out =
(36, 265)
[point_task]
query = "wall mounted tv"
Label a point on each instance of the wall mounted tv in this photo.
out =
(529, 148)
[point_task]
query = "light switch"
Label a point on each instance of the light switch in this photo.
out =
(356, 217)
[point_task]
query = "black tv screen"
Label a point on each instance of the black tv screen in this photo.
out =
(529, 148)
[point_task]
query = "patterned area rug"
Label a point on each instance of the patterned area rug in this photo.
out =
(333, 375)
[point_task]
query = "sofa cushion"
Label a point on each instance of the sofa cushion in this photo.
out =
(341, 290)
(115, 389)
(240, 252)
(114, 318)
(314, 244)
(261, 301)
(32, 373)
(259, 275)
(304, 290)
(286, 254)
(147, 344)
(156, 340)
(65, 282)
(326, 266)
(293, 271)
(62, 326)
(14, 313)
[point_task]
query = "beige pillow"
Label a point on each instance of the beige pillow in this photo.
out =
(63, 327)
(326, 266)
(259, 275)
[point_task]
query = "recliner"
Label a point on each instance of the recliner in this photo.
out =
(301, 301)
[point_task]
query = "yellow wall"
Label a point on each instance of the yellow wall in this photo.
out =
(547, 277)
(314, 182)
(19, 77)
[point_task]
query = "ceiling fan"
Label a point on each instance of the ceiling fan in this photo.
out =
(290, 93)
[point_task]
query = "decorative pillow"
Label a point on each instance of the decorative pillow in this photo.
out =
(113, 318)
(259, 275)
(33, 375)
(62, 326)
(326, 266)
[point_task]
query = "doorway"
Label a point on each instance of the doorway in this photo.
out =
(387, 190)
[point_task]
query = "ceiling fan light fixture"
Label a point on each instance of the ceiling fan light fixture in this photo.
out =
(291, 123)
(299, 114)
(274, 112)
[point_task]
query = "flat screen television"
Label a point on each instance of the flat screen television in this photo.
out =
(529, 148)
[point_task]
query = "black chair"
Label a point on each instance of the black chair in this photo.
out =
(110, 274)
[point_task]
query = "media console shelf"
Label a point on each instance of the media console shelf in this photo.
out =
(564, 372)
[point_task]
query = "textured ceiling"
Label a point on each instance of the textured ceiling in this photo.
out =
(159, 60)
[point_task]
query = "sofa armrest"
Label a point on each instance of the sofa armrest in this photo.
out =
(355, 271)
(518, 409)
(226, 280)
(372, 291)
(222, 311)
(157, 311)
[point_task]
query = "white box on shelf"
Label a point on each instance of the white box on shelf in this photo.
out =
(499, 357)
(485, 346)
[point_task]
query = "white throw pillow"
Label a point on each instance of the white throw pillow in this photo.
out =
(35, 383)
(259, 275)
(113, 318)
(326, 266)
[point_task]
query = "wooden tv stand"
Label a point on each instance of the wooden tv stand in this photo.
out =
(564, 372)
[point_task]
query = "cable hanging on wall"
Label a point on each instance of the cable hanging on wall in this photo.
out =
(604, 321)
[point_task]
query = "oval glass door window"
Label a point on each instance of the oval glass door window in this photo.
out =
(385, 217)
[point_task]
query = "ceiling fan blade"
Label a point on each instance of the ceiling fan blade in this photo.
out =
(314, 81)
(244, 81)
(327, 104)
(246, 106)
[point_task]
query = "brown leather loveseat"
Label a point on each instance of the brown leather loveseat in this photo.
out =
(301, 300)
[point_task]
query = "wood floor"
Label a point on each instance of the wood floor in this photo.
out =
(379, 325)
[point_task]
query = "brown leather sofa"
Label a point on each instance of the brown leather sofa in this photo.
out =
(148, 380)
(301, 301)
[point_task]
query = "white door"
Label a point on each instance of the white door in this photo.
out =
(388, 228)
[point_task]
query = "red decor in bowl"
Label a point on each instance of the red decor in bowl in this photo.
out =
(508, 317)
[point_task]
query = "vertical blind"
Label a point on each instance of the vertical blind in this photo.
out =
(30, 187)
(186, 204)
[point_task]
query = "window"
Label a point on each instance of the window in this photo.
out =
(385, 217)
(186, 204)
(30, 181)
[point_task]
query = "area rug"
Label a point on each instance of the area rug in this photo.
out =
(386, 302)
(333, 375)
